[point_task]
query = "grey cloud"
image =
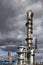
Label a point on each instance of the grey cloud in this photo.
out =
(16, 11)
(5, 13)
(9, 47)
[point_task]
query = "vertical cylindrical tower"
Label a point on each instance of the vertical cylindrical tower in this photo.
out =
(29, 26)
(21, 55)
(10, 56)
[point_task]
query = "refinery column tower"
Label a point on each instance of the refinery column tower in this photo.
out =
(26, 57)
(30, 48)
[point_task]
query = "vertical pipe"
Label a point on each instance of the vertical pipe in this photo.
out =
(36, 44)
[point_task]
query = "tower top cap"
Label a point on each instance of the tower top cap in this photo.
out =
(30, 11)
(30, 14)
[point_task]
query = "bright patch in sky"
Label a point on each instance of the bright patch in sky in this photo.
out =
(23, 0)
(2, 51)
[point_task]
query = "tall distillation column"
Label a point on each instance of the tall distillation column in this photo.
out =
(30, 49)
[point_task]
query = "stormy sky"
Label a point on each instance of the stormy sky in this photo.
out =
(13, 19)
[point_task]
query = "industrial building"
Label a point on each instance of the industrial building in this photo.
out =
(26, 54)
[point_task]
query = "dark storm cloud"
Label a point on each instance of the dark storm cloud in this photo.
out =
(10, 10)
(5, 13)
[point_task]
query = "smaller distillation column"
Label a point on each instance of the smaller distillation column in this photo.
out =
(20, 53)
(29, 25)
